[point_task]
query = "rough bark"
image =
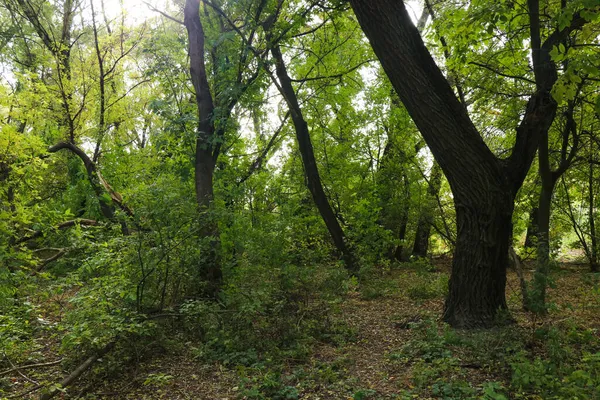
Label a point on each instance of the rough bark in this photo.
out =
(515, 261)
(309, 162)
(421, 245)
(483, 186)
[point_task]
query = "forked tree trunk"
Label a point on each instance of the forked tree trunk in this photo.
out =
(483, 186)
(211, 128)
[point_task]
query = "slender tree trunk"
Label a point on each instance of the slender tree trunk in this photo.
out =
(386, 188)
(540, 278)
(532, 228)
(204, 165)
(538, 295)
(594, 267)
(101, 87)
(549, 178)
(403, 225)
(421, 245)
(311, 171)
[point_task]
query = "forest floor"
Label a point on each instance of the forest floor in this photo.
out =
(396, 347)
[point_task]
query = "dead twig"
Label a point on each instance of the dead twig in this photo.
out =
(22, 394)
(78, 371)
(30, 366)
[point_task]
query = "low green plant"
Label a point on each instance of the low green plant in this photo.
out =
(364, 394)
(569, 366)
(452, 389)
(268, 385)
(427, 285)
(158, 380)
(431, 342)
(494, 391)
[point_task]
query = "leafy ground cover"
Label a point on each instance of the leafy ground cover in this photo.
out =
(384, 340)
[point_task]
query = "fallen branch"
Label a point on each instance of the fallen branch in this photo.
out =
(64, 225)
(30, 366)
(18, 370)
(22, 394)
(78, 371)
(98, 183)
(45, 262)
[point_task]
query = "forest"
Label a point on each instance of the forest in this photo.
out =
(299, 199)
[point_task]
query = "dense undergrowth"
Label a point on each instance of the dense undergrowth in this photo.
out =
(266, 334)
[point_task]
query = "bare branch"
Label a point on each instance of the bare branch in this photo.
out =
(164, 14)
(502, 73)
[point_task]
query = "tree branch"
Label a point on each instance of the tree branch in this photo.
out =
(64, 225)
(164, 14)
(489, 68)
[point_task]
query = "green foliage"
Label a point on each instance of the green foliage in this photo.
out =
(277, 315)
(270, 385)
(568, 370)
(18, 324)
(431, 343)
(427, 285)
(157, 380)
(494, 391)
(364, 394)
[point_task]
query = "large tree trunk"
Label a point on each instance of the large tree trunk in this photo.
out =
(421, 245)
(477, 286)
(483, 186)
(311, 170)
